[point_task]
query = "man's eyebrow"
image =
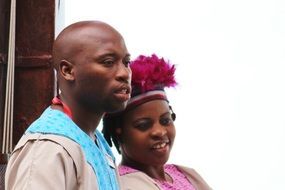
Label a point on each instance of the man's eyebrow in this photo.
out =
(107, 54)
(104, 55)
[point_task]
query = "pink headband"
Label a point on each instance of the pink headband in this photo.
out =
(146, 97)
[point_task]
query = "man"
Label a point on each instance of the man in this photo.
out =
(62, 149)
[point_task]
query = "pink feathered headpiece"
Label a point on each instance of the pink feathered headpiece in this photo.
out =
(150, 75)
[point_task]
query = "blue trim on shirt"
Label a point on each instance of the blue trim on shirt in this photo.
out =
(56, 122)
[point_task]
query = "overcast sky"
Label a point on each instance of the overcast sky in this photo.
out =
(230, 101)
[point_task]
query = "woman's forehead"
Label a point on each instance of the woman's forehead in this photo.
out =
(148, 108)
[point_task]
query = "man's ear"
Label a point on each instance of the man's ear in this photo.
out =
(118, 132)
(66, 69)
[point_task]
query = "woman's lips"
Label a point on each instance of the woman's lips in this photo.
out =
(161, 146)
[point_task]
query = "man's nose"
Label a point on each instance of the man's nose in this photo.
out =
(124, 73)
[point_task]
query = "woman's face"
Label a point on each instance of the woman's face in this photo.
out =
(147, 134)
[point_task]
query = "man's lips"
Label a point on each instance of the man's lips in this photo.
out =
(125, 89)
(123, 93)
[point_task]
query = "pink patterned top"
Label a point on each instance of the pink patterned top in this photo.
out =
(180, 181)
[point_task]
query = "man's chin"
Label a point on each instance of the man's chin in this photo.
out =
(118, 108)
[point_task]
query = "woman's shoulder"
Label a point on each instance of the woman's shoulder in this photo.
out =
(132, 179)
(193, 176)
(180, 168)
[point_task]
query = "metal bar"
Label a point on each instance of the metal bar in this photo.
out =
(7, 145)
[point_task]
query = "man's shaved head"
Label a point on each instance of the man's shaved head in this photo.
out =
(76, 37)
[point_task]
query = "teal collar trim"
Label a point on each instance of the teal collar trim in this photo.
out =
(56, 122)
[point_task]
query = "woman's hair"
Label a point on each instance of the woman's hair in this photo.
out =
(110, 124)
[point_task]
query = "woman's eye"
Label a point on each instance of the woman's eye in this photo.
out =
(166, 121)
(143, 126)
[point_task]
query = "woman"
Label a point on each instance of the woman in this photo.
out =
(144, 132)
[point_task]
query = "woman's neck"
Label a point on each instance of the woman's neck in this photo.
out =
(155, 172)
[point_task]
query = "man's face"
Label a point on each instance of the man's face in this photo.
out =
(102, 72)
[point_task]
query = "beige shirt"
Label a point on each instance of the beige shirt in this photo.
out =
(141, 181)
(66, 166)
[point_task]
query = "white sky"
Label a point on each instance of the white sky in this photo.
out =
(230, 58)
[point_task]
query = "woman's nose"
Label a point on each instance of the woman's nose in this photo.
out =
(158, 131)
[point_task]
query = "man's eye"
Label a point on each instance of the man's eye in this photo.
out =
(108, 62)
(127, 63)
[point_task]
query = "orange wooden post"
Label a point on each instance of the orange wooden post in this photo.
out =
(34, 76)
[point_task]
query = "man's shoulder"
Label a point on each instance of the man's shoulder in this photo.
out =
(50, 156)
(55, 142)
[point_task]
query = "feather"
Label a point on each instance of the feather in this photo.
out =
(151, 73)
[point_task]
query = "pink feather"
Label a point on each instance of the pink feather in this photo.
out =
(152, 73)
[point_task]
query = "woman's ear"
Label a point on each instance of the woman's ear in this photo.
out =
(66, 69)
